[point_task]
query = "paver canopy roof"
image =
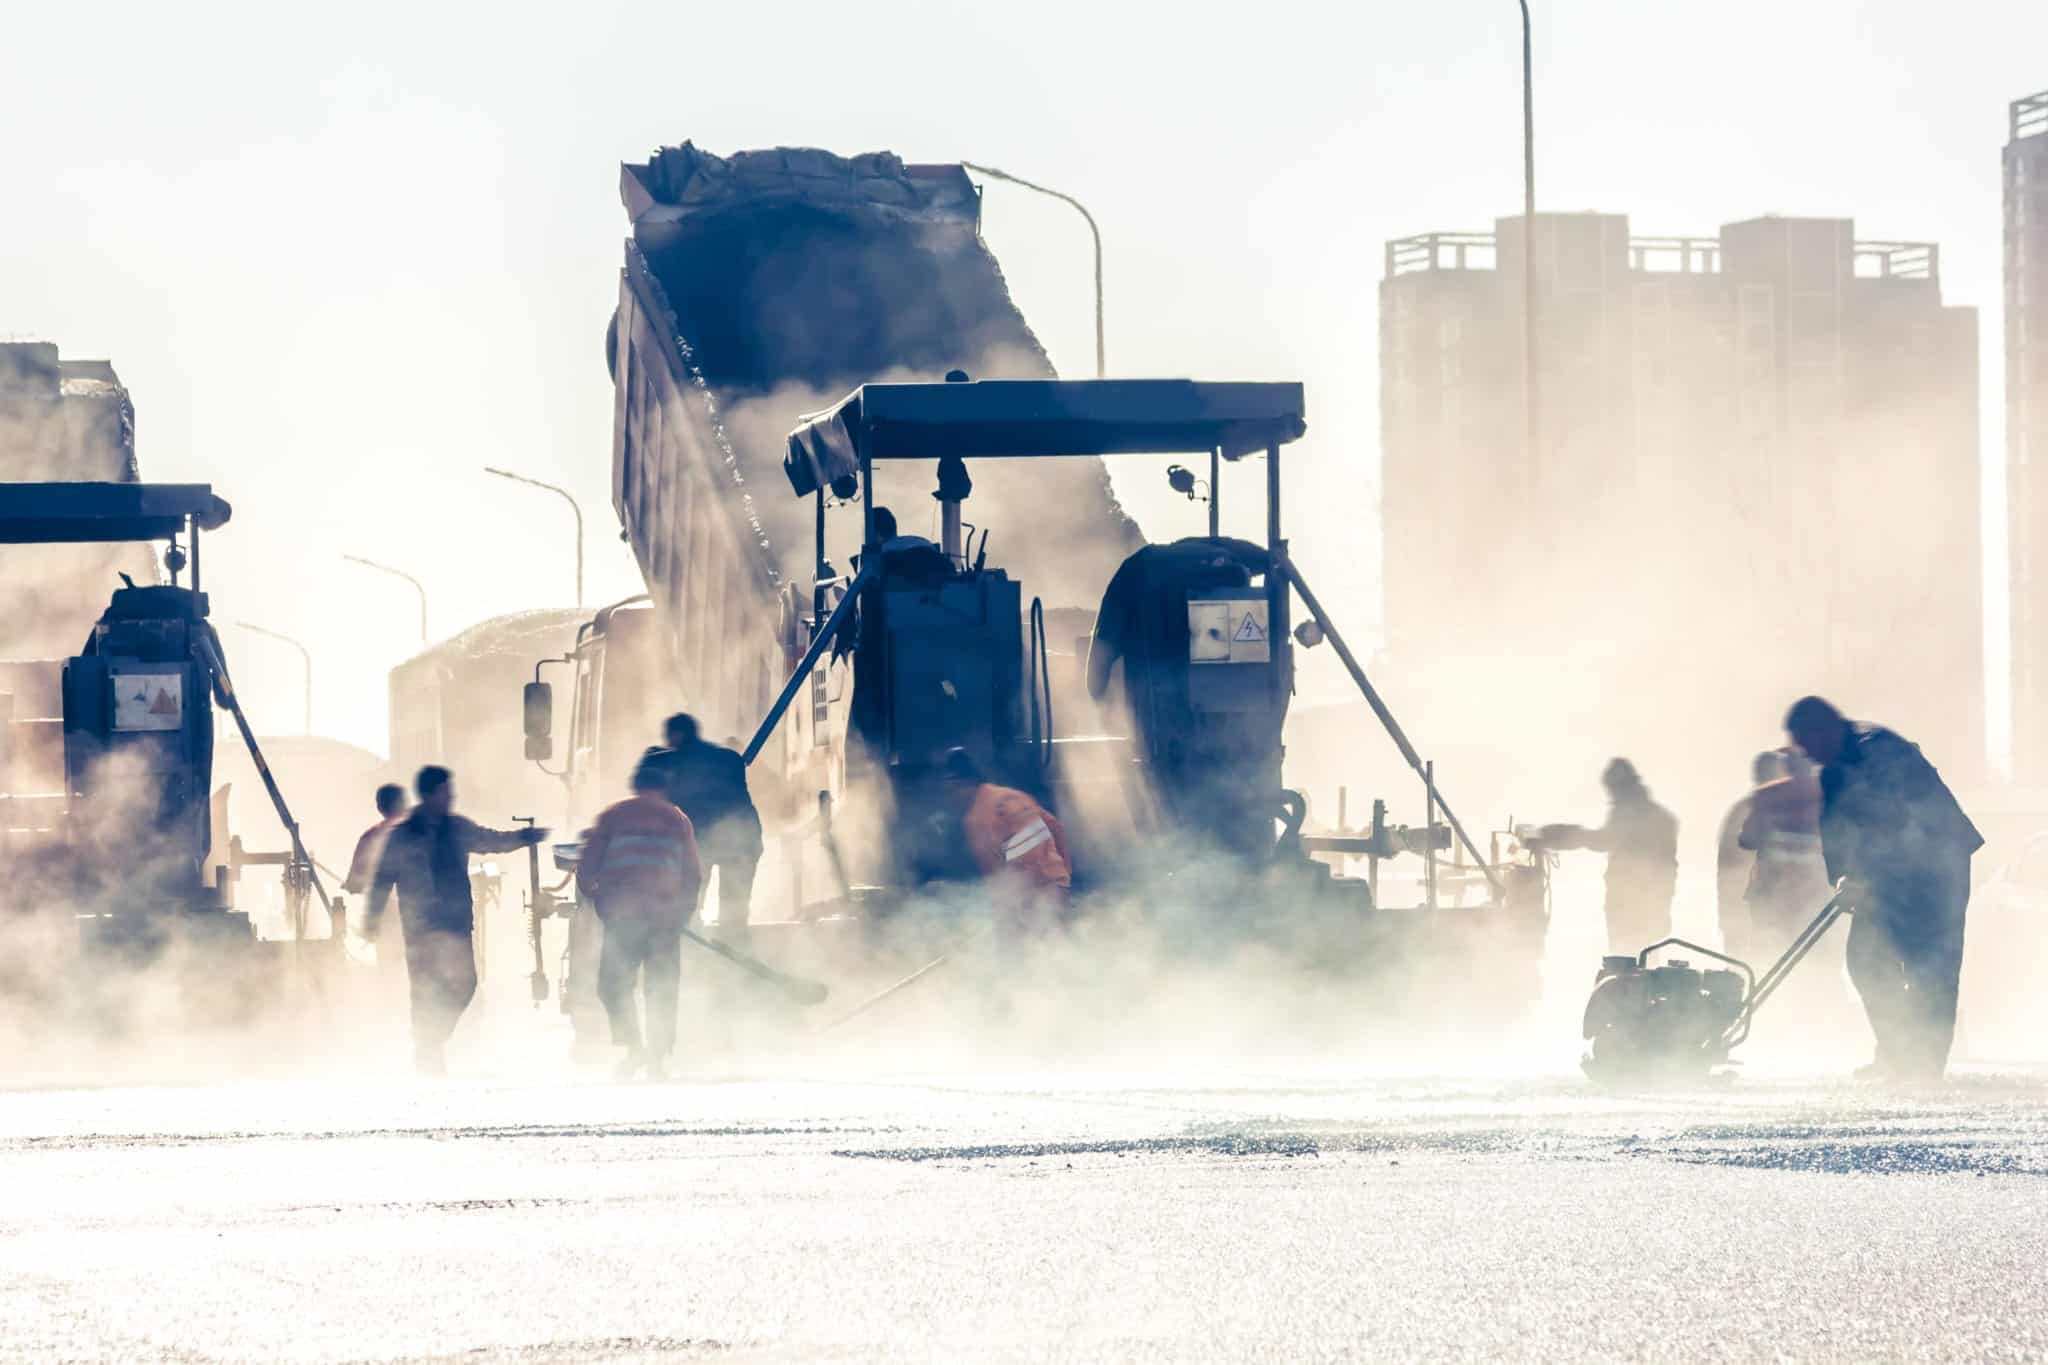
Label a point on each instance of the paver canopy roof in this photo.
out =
(1039, 418)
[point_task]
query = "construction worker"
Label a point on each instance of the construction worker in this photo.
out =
(640, 868)
(1640, 840)
(902, 561)
(1018, 846)
(362, 867)
(1789, 883)
(908, 556)
(426, 861)
(708, 783)
(1890, 826)
(1735, 865)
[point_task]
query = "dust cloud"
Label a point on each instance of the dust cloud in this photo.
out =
(1668, 619)
(1194, 969)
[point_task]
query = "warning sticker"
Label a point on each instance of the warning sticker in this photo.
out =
(1229, 630)
(149, 701)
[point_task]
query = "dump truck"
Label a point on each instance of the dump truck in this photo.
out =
(724, 252)
(758, 287)
(447, 706)
(721, 337)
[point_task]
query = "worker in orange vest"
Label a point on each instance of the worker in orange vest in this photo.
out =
(641, 868)
(1018, 845)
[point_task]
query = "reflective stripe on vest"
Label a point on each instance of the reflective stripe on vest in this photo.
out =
(1026, 839)
(644, 850)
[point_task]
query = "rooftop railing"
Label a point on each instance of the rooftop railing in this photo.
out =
(1897, 261)
(1660, 255)
(1675, 255)
(2030, 116)
(1440, 251)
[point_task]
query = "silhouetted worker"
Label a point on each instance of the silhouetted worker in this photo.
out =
(903, 561)
(426, 861)
(709, 784)
(640, 869)
(1735, 865)
(1892, 827)
(1017, 845)
(1640, 840)
(1789, 884)
(911, 557)
(1220, 781)
(362, 867)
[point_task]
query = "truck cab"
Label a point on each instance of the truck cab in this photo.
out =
(617, 702)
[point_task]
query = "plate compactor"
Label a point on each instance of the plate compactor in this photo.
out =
(1674, 1023)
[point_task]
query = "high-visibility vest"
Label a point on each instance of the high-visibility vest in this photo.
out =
(1011, 834)
(643, 852)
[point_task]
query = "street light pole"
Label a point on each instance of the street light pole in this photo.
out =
(574, 506)
(1530, 407)
(1101, 369)
(417, 586)
(304, 654)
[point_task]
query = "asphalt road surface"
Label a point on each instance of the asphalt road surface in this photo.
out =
(1277, 1213)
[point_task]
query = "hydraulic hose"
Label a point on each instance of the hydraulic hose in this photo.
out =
(1041, 686)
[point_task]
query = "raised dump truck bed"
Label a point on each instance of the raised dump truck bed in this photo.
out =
(763, 286)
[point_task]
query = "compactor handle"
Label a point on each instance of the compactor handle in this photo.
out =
(1774, 975)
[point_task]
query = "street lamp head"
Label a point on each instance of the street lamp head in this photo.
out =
(305, 654)
(574, 507)
(417, 586)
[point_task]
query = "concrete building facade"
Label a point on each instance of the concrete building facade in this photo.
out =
(60, 420)
(2026, 428)
(1755, 475)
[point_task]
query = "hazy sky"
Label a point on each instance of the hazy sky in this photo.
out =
(344, 256)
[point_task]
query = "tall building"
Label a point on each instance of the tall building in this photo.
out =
(2026, 428)
(1755, 475)
(62, 419)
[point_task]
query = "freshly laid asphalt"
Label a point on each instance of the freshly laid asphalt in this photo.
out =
(1252, 1212)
